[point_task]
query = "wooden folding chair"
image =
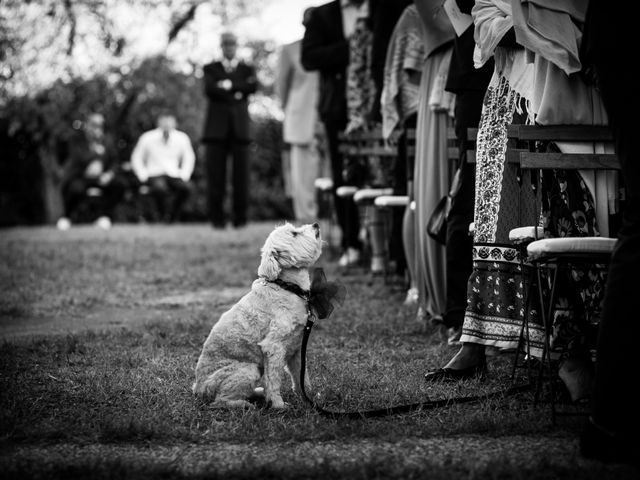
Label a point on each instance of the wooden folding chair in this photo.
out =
(553, 255)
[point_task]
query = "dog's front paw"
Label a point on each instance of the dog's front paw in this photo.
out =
(277, 404)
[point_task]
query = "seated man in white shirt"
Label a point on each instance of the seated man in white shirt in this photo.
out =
(164, 160)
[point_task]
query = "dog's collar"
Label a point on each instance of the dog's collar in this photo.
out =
(321, 298)
(293, 288)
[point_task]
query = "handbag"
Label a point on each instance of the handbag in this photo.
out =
(437, 224)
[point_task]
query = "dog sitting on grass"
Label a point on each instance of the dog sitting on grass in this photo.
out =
(260, 337)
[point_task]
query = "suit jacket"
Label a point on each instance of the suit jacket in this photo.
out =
(298, 91)
(228, 112)
(324, 48)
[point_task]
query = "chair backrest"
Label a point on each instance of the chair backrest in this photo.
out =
(365, 143)
(523, 138)
(361, 148)
(453, 149)
(411, 141)
(524, 147)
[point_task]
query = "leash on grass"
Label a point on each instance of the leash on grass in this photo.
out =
(321, 300)
(398, 409)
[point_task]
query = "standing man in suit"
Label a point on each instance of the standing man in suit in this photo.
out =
(227, 84)
(325, 48)
(298, 92)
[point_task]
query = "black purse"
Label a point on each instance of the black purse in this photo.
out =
(437, 224)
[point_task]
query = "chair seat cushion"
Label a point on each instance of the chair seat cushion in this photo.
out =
(573, 246)
(391, 201)
(323, 183)
(346, 190)
(365, 194)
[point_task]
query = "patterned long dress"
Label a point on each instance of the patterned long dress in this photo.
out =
(505, 200)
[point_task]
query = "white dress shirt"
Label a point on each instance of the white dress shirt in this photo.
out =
(229, 65)
(154, 156)
(350, 15)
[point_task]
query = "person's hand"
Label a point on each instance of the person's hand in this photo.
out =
(225, 84)
(394, 137)
(355, 124)
(106, 177)
(94, 169)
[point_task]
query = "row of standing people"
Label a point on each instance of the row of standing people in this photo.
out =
(517, 62)
(385, 63)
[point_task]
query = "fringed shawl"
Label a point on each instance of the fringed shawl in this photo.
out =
(551, 29)
(437, 29)
(399, 97)
(552, 95)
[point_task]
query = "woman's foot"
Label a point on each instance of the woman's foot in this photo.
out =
(412, 297)
(469, 362)
(378, 266)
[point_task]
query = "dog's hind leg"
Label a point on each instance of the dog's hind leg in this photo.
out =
(231, 385)
(239, 386)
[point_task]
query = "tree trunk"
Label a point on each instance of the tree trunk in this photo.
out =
(51, 186)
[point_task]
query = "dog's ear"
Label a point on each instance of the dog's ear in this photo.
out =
(269, 267)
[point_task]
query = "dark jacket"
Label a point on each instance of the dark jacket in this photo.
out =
(77, 152)
(228, 112)
(324, 48)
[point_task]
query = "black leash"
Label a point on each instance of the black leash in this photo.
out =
(381, 412)
(321, 300)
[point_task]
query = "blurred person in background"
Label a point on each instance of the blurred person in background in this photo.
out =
(399, 101)
(90, 173)
(298, 92)
(325, 48)
(228, 82)
(431, 171)
(163, 160)
(384, 15)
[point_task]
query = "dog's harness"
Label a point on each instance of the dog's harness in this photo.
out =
(321, 300)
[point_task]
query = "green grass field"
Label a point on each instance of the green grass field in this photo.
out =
(101, 331)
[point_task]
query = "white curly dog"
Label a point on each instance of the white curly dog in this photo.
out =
(260, 337)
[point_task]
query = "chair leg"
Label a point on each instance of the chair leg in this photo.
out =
(521, 336)
(547, 321)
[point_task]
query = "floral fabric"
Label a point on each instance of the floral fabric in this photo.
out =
(501, 279)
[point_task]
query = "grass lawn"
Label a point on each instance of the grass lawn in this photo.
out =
(101, 331)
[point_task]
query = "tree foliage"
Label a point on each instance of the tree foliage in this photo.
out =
(80, 57)
(45, 40)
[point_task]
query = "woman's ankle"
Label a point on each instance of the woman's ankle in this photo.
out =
(469, 355)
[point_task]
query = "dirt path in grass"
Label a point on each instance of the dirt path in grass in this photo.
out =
(172, 307)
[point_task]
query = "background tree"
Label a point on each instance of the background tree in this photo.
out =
(64, 59)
